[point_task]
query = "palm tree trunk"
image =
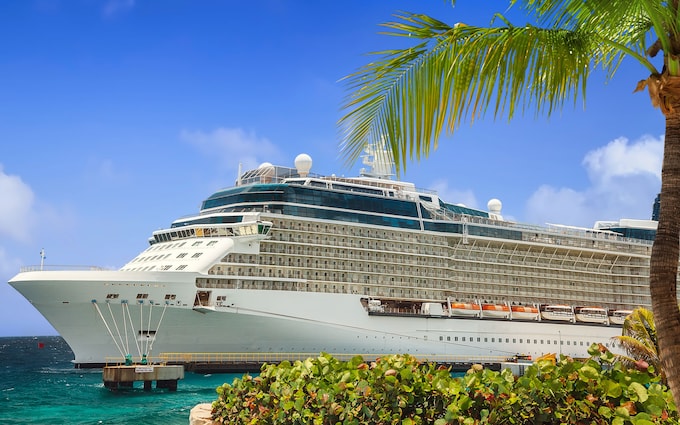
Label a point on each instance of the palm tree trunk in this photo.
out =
(663, 270)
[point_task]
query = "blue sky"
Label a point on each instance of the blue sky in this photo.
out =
(118, 116)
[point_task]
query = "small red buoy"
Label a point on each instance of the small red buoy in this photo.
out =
(41, 345)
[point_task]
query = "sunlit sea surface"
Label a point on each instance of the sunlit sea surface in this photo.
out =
(40, 386)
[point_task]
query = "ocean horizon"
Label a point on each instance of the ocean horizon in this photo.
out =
(39, 385)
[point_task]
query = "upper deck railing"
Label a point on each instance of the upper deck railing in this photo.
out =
(63, 268)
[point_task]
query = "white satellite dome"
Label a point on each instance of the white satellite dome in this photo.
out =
(266, 168)
(303, 163)
(494, 206)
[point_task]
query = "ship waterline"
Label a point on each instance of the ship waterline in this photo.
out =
(286, 262)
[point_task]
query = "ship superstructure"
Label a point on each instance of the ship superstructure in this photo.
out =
(287, 263)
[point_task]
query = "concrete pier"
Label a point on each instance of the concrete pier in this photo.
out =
(166, 376)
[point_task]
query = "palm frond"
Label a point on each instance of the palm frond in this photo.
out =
(622, 25)
(409, 97)
(639, 340)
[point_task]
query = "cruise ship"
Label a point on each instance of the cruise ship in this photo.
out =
(287, 263)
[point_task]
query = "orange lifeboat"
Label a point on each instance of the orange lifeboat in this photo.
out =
(465, 309)
(495, 310)
(523, 312)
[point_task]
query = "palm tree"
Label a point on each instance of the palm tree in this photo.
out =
(408, 97)
(639, 340)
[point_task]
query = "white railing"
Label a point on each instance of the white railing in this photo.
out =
(52, 268)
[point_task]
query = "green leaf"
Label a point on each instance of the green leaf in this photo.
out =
(640, 391)
(622, 412)
(612, 389)
(605, 411)
(588, 372)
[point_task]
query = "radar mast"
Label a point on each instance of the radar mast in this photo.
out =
(380, 159)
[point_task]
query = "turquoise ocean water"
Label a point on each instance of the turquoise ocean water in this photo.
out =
(40, 386)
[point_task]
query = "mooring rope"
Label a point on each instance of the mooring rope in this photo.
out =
(120, 338)
(148, 328)
(107, 327)
(141, 328)
(158, 326)
(122, 312)
(132, 327)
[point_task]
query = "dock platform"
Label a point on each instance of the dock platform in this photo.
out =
(122, 376)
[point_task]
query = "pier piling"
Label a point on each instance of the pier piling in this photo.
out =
(166, 376)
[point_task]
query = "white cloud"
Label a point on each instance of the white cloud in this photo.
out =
(16, 209)
(447, 194)
(115, 7)
(624, 180)
(234, 146)
(619, 159)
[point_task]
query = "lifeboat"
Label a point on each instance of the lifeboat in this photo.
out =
(465, 309)
(375, 306)
(592, 315)
(562, 313)
(495, 310)
(522, 312)
(618, 316)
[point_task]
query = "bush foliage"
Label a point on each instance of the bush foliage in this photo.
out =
(401, 390)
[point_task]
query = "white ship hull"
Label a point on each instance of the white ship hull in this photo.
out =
(288, 323)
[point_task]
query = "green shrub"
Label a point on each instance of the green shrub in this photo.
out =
(400, 390)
